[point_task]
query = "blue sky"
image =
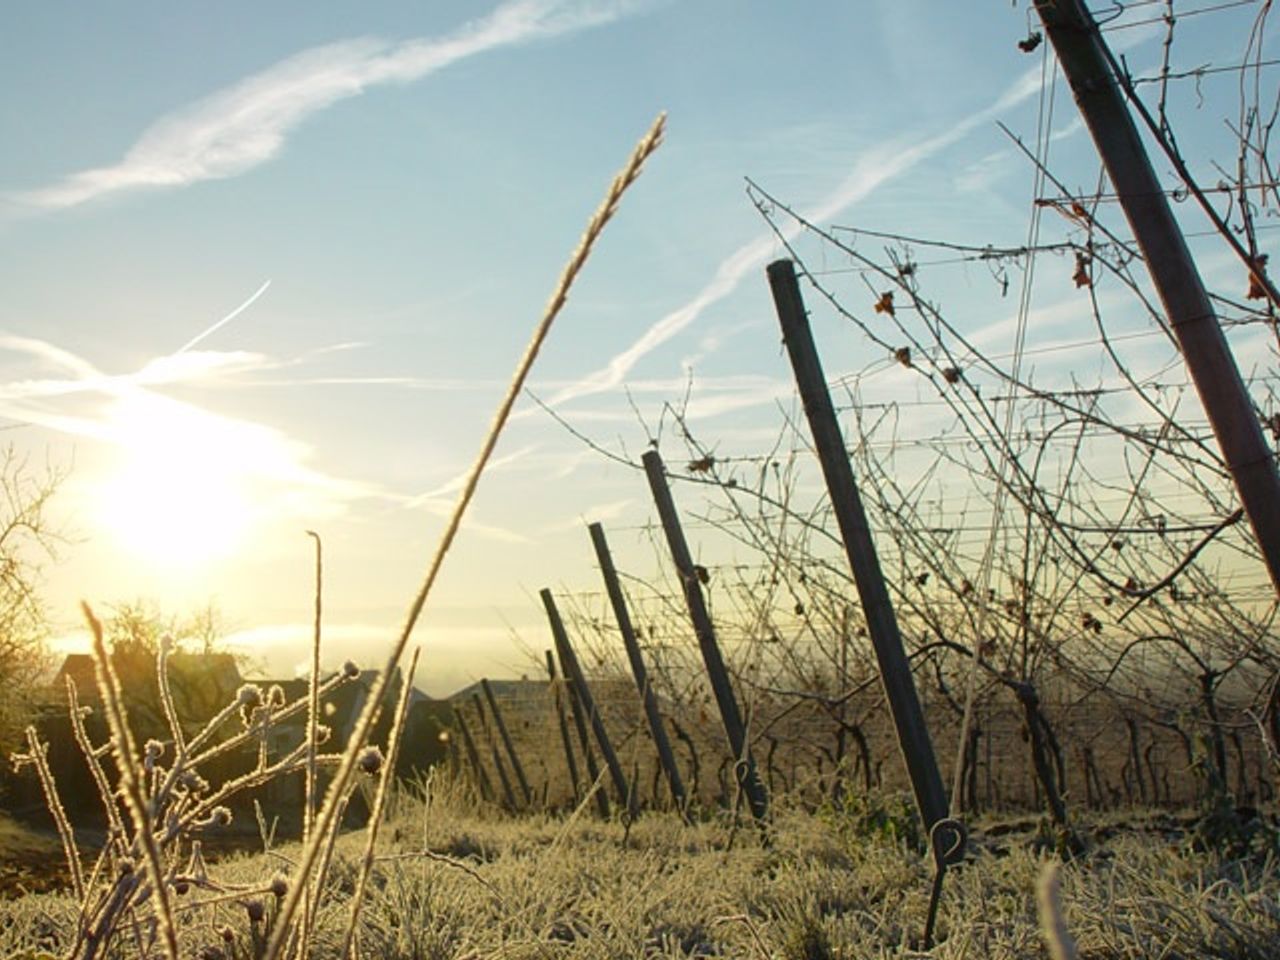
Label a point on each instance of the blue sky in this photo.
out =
(268, 267)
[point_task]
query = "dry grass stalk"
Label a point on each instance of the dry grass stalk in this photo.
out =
(386, 776)
(38, 756)
(126, 754)
(1053, 924)
(343, 777)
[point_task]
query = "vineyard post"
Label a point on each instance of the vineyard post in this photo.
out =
(846, 504)
(584, 738)
(573, 670)
(1084, 59)
(747, 775)
(473, 756)
(497, 757)
(506, 741)
(626, 628)
(558, 698)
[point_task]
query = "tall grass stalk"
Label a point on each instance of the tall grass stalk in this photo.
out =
(38, 756)
(313, 733)
(326, 818)
(385, 781)
(126, 754)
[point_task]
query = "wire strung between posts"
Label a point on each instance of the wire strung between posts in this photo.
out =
(1043, 125)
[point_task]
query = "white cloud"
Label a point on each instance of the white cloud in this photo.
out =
(871, 170)
(244, 125)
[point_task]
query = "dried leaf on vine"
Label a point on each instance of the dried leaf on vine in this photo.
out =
(885, 303)
(1257, 288)
(951, 374)
(903, 356)
(1081, 276)
(702, 465)
(1033, 40)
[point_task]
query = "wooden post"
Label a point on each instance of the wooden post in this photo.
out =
(557, 697)
(497, 757)
(584, 738)
(625, 627)
(744, 763)
(1083, 55)
(895, 671)
(506, 742)
(573, 670)
(473, 757)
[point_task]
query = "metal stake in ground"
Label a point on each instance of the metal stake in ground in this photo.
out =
(1082, 53)
(625, 627)
(516, 765)
(507, 792)
(946, 835)
(473, 756)
(558, 698)
(573, 670)
(744, 763)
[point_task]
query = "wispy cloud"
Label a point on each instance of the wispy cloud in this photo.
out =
(238, 128)
(874, 168)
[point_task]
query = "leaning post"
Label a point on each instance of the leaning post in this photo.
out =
(507, 792)
(506, 741)
(744, 763)
(573, 670)
(895, 670)
(558, 698)
(614, 588)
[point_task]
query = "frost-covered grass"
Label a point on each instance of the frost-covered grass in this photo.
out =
(450, 881)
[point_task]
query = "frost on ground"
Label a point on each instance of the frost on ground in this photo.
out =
(452, 881)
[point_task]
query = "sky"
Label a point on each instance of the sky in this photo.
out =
(268, 268)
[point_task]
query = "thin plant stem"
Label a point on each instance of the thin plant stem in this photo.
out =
(126, 754)
(337, 789)
(379, 804)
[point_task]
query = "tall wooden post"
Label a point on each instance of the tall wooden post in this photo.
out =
(895, 671)
(744, 763)
(584, 739)
(473, 756)
(506, 741)
(573, 670)
(557, 697)
(665, 755)
(507, 792)
(1082, 53)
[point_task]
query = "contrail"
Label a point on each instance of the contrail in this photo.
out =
(246, 124)
(224, 321)
(871, 170)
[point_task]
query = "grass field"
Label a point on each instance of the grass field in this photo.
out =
(451, 881)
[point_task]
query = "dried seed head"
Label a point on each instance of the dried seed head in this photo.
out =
(279, 885)
(193, 781)
(220, 816)
(275, 696)
(227, 934)
(125, 866)
(211, 953)
(349, 670)
(153, 751)
(370, 761)
(249, 695)
(256, 910)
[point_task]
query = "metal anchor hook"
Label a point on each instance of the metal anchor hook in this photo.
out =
(948, 839)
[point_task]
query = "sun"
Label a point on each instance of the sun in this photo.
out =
(180, 494)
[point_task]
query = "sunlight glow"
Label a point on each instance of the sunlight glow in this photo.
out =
(181, 495)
